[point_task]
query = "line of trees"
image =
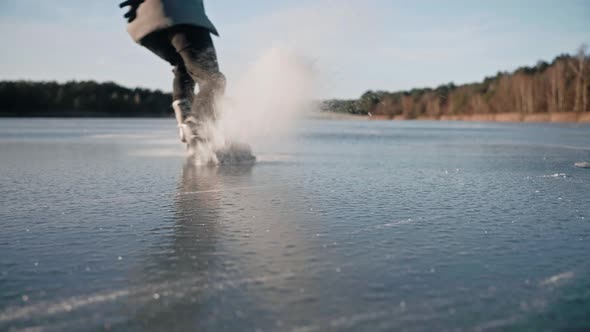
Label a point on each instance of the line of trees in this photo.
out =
(80, 99)
(560, 86)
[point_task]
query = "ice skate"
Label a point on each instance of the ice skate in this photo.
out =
(189, 129)
(182, 110)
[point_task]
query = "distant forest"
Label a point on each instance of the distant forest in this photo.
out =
(546, 88)
(81, 99)
(560, 86)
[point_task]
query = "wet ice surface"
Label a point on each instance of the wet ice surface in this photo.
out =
(353, 226)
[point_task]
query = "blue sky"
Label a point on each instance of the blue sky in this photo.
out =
(356, 45)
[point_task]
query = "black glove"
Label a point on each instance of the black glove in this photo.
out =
(132, 13)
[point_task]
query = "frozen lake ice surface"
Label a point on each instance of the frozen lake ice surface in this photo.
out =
(348, 226)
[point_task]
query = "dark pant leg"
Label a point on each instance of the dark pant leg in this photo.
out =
(195, 47)
(159, 43)
(183, 86)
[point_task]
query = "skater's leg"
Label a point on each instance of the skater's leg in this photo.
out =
(159, 43)
(183, 85)
(195, 47)
(182, 95)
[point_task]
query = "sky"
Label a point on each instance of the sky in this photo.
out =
(354, 45)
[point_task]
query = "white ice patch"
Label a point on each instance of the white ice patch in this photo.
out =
(141, 295)
(170, 152)
(556, 175)
(556, 279)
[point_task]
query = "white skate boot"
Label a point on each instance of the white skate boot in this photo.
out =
(182, 110)
(191, 131)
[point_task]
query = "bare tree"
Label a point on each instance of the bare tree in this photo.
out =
(578, 65)
(560, 85)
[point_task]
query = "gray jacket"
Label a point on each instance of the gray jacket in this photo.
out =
(155, 15)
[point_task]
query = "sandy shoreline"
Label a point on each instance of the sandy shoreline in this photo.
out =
(498, 117)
